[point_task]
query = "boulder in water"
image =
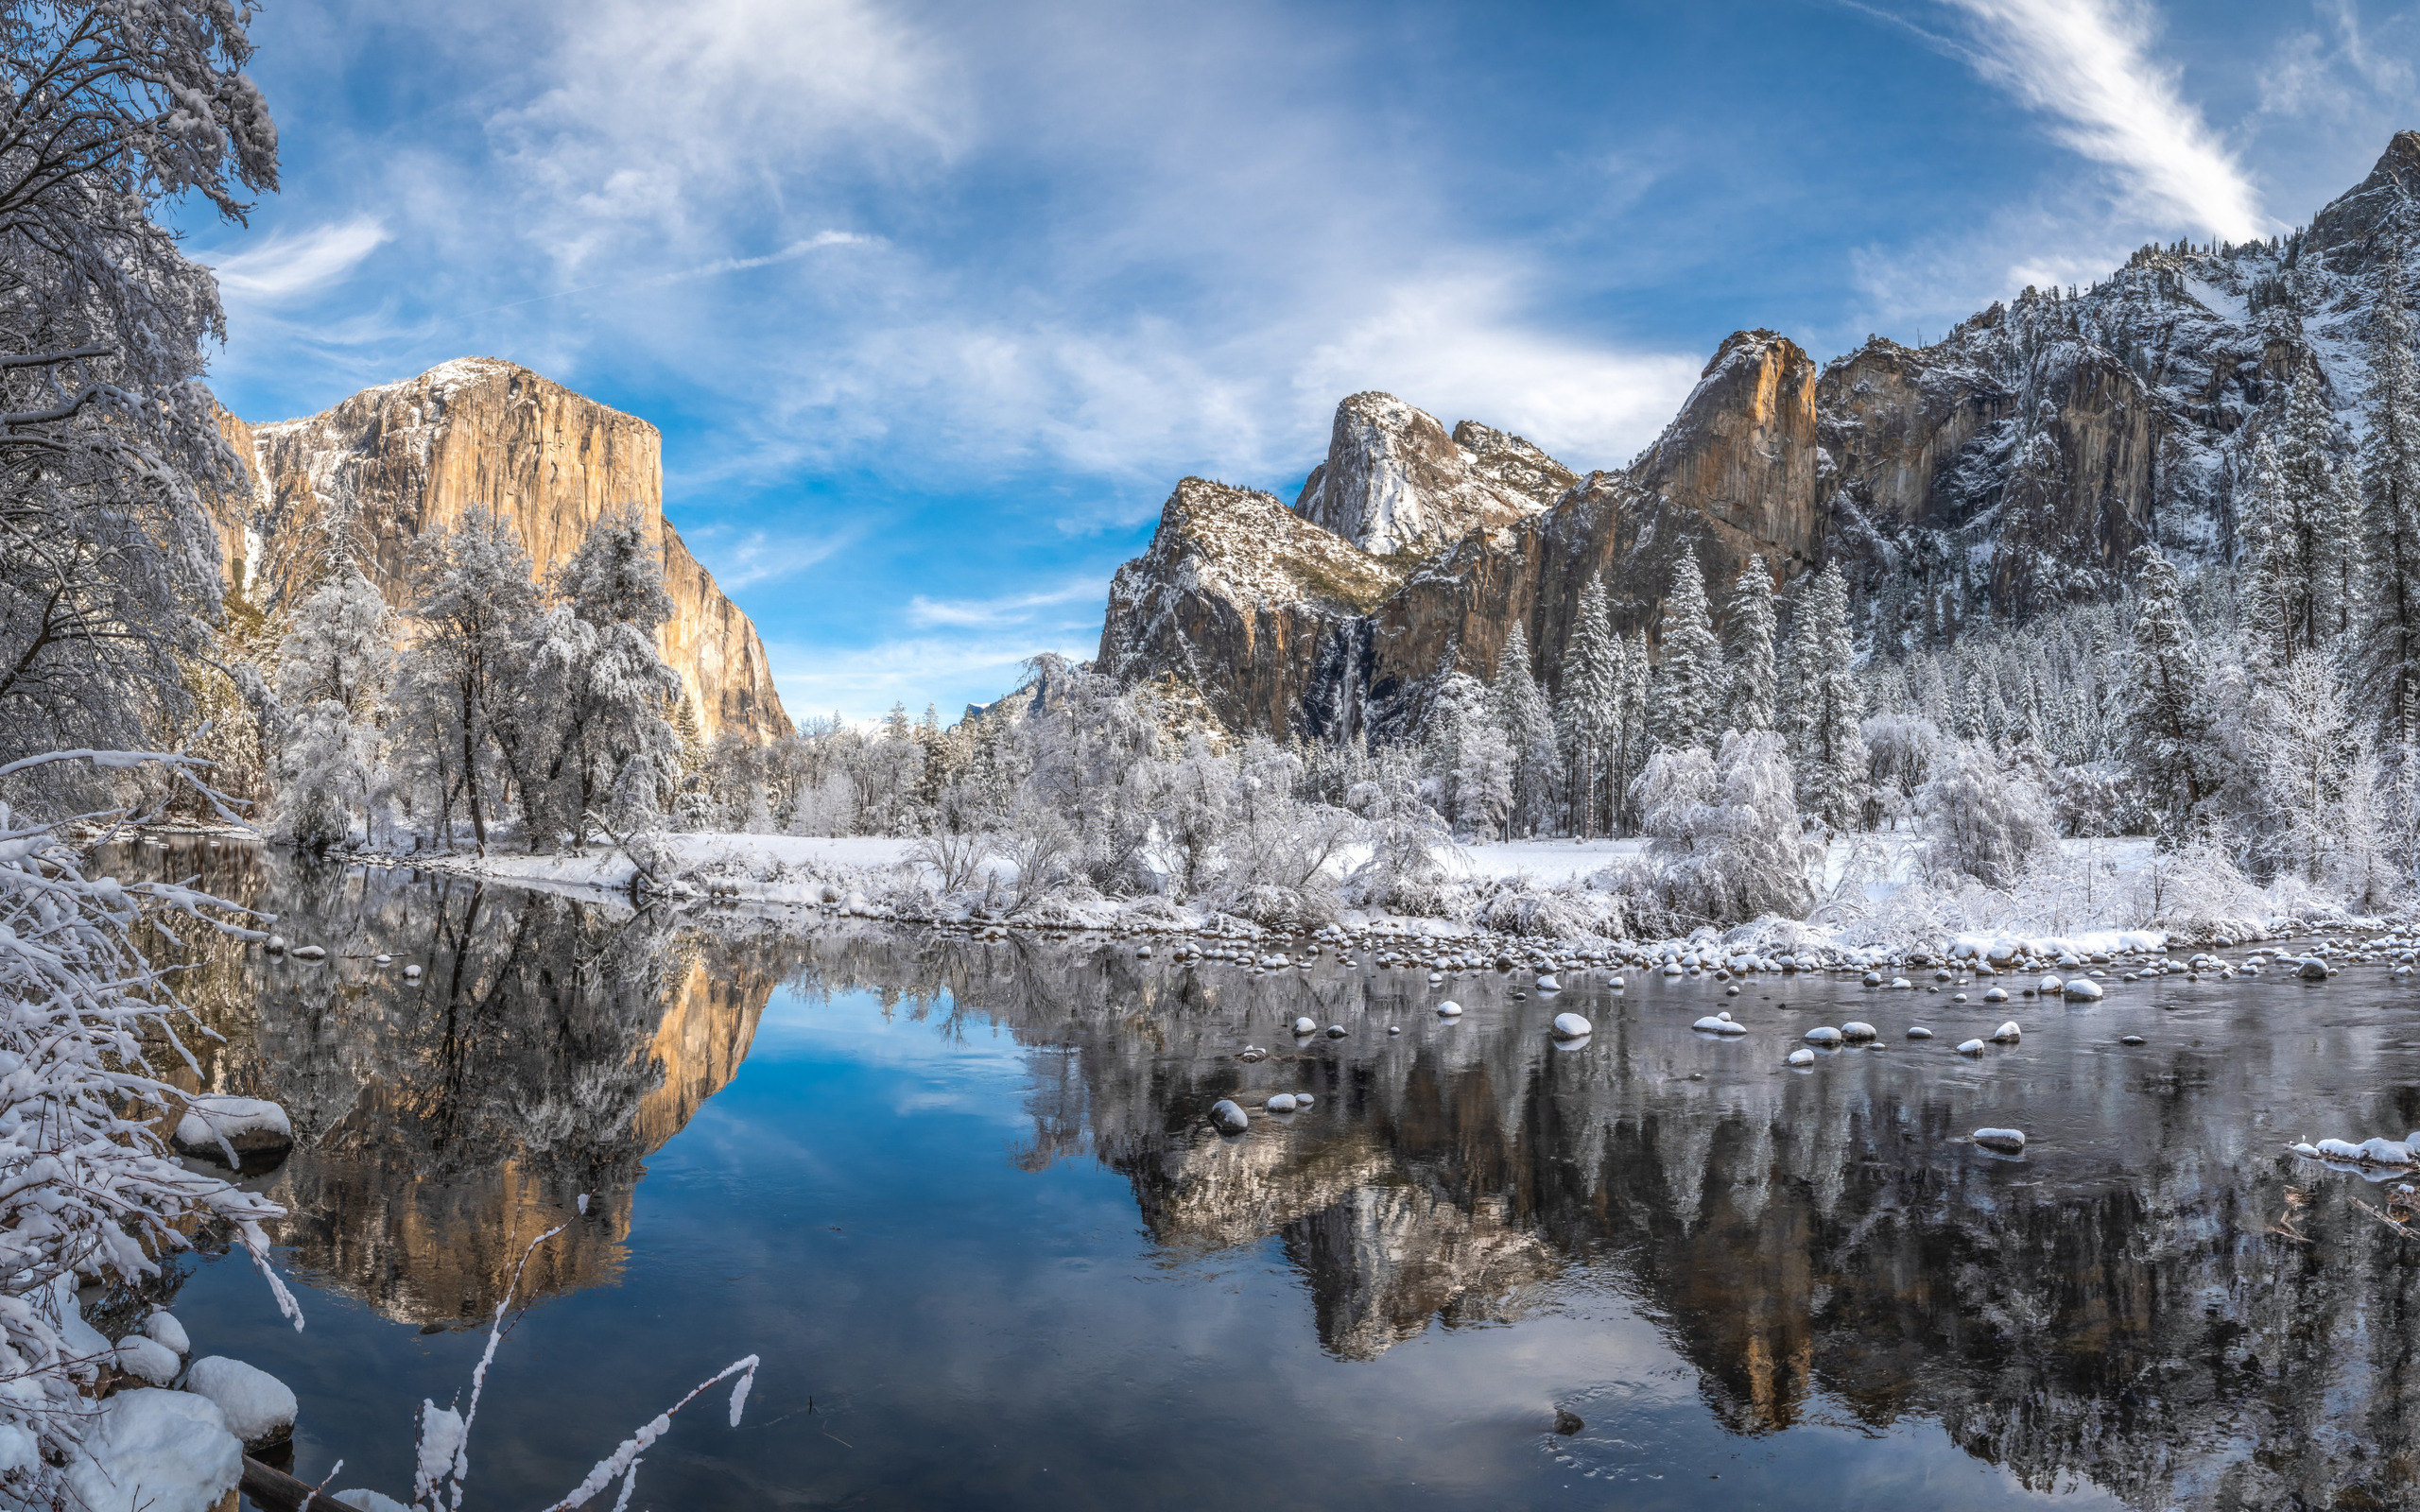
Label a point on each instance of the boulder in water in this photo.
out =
(2009, 1140)
(1823, 1037)
(1228, 1118)
(1572, 1026)
(1801, 1057)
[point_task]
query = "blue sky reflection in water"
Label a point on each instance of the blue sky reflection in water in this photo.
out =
(993, 1258)
(943, 1326)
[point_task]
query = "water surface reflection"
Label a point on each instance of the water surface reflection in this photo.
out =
(932, 1174)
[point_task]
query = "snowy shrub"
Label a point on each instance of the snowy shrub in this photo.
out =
(1982, 820)
(1283, 908)
(1560, 913)
(90, 1189)
(1727, 836)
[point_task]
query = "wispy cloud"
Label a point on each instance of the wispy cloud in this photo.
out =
(1012, 608)
(2088, 63)
(859, 683)
(759, 557)
(290, 265)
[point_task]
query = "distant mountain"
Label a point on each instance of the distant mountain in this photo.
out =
(2012, 465)
(410, 458)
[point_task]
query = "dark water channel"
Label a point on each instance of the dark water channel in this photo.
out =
(962, 1199)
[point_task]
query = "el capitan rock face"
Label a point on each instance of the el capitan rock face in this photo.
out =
(2012, 465)
(415, 456)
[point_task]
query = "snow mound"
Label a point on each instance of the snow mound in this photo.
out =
(259, 1407)
(147, 1360)
(156, 1452)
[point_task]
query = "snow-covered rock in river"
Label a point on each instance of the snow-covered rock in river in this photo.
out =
(2083, 990)
(147, 1358)
(1228, 1118)
(1572, 1026)
(258, 1128)
(2314, 970)
(1823, 1037)
(259, 1407)
(1281, 1103)
(368, 1500)
(2052, 987)
(1996, 994)
(1971, 1047)
(1919, 1032)
(2007, 1033)
(1450, 1009)
(1719, 1023)
(1306, 1026)
(164, 1328)
(1548, 984)
(2009, 1140)
(156, 1452)
(1801, 1057)
(1853, 1030)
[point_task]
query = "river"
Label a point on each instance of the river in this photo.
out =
(962, 1200)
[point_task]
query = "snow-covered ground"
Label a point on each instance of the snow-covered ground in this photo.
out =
(1871, 889)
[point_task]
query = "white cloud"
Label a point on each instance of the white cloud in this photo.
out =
(1459, 346)
(861, 683)
(1012, 608)
(2087, 62)
(285, 266)
(759, 557)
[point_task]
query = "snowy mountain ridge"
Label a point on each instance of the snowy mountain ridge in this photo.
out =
(2009, 467)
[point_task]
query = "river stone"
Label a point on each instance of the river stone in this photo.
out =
(2009, 1140)
(2314, 970)
(1997, 994)
(1853, 1030)
(1306, 1026)
(1228, 1117)
(1281, 1103)
(1801, 1057)
(1450, 1009)
(1572, 1026)
(1971, 1047)
(1919, 1032)
(1823, 1037)
(2083, 990)
(2007, 1033)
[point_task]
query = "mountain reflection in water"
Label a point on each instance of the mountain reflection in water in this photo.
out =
(2119, 1309)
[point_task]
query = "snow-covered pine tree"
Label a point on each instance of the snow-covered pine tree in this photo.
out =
(1820, 705)
(2167, 730)
(1528, 724)
(2277, 569)
(1749, 639)
(1590, 716)
(1689, 674)
(2307, 470)
(2390, 468)
(1631, 751)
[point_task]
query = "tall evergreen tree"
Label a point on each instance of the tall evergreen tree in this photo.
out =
(1631, 750)
(1590, 716)
(2277, 575)
(2167, 733)
(1690, 678)
(1528, 722)
(2390, 652)
(1820, 704)
(1750, 638)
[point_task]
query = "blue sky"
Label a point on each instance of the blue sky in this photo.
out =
(934, 302)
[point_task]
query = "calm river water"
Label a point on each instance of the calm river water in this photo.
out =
(962, 1199)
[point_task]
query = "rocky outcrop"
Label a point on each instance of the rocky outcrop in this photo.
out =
(397, 462)
(1244, 601)
(2012, 465)
(1394, 481)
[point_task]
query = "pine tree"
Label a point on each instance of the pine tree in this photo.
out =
(1528, 724)
(2167, 733)
(1636, 743)
(2277, 589)
(2390, 468)
(1689, 676)
(2326, 540)
(1589, 716)
(1749, 639)
(1821, 705)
